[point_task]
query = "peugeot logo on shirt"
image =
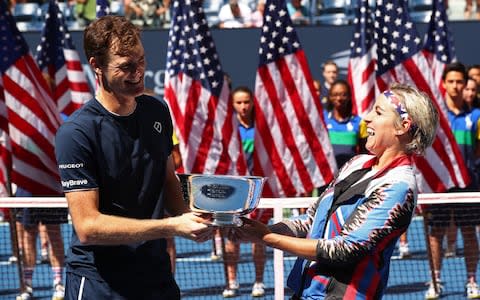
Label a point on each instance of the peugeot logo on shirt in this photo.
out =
(157, 126)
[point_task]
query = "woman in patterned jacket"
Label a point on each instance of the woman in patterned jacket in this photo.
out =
(345, 243)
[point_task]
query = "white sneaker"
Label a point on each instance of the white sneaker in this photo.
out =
(258, 289)
(216, 256)
(44, 258)
(231, 290)
(450, 252)
(404, 251)
(472, 290)
(59, 292)
(432, 293)
(27, 294)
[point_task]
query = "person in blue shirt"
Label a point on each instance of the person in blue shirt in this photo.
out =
(345, 243)
(117, 172)
(242, 101)
(347, 132)
(464, 124)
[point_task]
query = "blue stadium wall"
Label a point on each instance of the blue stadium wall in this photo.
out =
(238, 49)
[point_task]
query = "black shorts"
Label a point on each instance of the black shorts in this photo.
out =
(33, 216)
(464, 214)
(79, 287)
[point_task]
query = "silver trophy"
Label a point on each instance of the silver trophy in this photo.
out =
(226, 197)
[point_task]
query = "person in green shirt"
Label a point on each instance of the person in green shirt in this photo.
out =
(85, 12)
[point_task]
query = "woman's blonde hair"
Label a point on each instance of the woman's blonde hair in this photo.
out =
(423, 114)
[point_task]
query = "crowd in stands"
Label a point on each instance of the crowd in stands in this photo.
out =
(219, 13)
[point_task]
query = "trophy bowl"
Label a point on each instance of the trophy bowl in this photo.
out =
(226, 197)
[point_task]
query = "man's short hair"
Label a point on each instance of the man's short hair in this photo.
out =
(243, 89)
(455, 67)
(473, 67)
(329, 62)
(107, 32)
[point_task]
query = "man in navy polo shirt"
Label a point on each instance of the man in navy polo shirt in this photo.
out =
(118, 177)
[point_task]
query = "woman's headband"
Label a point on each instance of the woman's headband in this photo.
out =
(396, 103)
(400, 108)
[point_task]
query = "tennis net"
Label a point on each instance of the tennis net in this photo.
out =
(200, 271)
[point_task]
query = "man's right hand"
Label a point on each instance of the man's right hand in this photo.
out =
(194, 226)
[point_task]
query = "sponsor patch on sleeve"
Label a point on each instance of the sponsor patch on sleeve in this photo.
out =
(72, 183)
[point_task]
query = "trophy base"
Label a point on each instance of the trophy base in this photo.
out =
(226, 220)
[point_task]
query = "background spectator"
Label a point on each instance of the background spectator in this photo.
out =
(148, 13)
(474, 72)
(30, 219)
(298, 12)
(242, 101)
(347, 131)
(470, 93)
(330, 74)
(469, 9)
(85, 12)
(235, 15)
(257, 15)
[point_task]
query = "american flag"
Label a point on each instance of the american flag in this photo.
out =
(197, 91)
(58, 59)
(103, 8)
(400, 60)
(439, 47)
(5, 147)
(29, 114)
(292, 147)
(361, 66)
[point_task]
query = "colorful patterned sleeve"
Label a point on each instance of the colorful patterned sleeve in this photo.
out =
(380, 219)
(298, 227)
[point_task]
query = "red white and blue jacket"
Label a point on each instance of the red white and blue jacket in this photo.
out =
(357, 239)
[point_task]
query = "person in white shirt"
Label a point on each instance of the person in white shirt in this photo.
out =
(257, 15)
(235, 15)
